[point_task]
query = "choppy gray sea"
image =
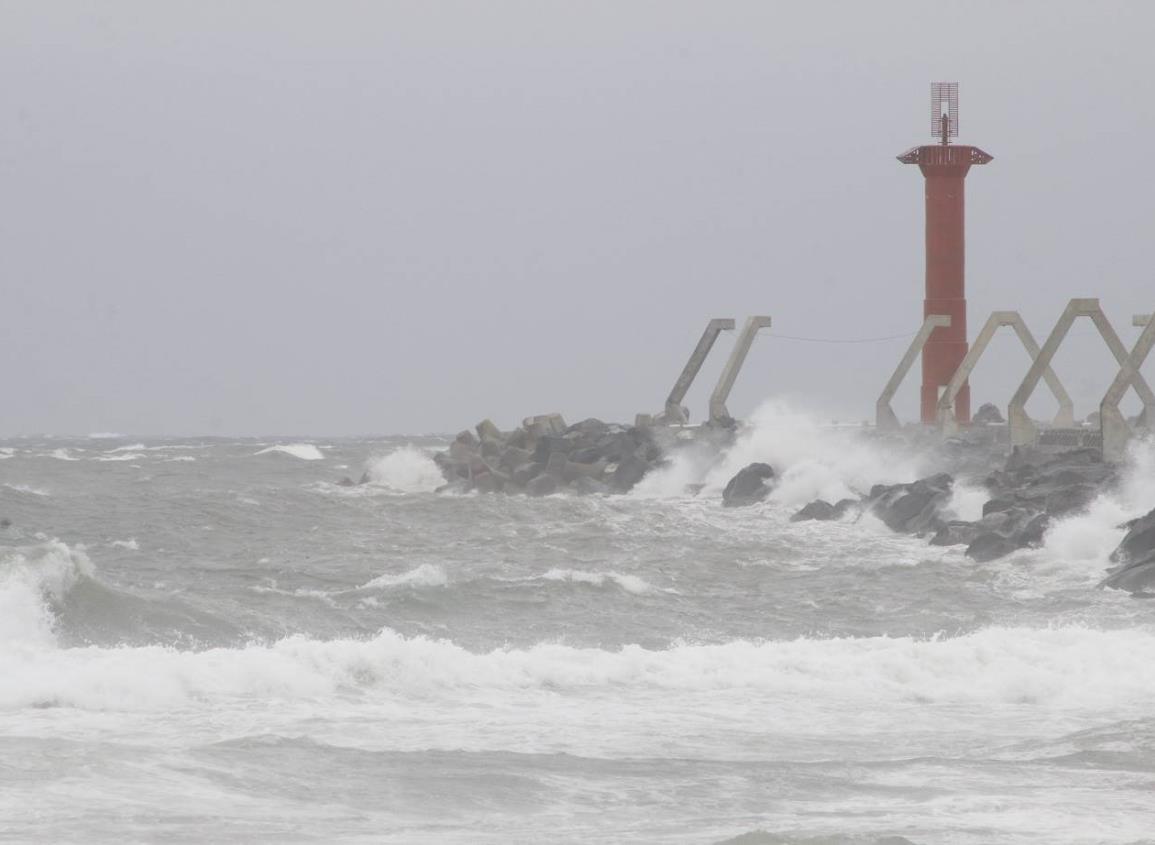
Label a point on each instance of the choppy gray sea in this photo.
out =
(207, 640)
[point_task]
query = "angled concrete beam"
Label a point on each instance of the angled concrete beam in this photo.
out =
(998, 319)
(674, 411)
(1116, 431)
(884, 414)
(1023, 430)
(718, 412)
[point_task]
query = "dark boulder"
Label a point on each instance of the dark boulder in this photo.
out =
(1136, 578)
(990, 546)
(1002, 532)
(987, 414)
(1139, 541)
(912, 508)
(589, 429)
(751, 485)
(1136, 556)
(823, 511)
(956, 533)
(628, 473)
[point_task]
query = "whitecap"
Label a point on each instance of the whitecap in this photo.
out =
(425, 575)
(25, 488)
(303, 451)
(629, 583)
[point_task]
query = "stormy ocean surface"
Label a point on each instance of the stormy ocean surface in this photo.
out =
(210, 640)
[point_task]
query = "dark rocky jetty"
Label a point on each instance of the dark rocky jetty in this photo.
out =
(1033, 488)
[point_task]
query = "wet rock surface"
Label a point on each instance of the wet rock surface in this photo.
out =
(823, 511)
(1136, 558)
(750, 486)
(987, 414)
(1032, 489)
(911, 508)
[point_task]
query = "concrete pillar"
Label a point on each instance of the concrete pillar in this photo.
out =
(674, 411)
(948, 421)
(884, 416)
(718, 411)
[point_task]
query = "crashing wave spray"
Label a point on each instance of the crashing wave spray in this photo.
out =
(813, 460)
(406, 470)
(1085, 541)
(31, 580)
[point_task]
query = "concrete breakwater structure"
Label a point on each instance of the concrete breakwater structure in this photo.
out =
(1113, 432)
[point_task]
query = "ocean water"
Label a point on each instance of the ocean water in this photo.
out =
(209, 640)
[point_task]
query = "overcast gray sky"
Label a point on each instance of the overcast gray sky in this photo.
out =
(348, 217)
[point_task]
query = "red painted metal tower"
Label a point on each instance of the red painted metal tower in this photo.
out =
(945, 167)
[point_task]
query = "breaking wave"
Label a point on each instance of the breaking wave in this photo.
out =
(31, 580)
(813, 461)
(303, 451)
(1082, 543)
(406, 470)
(629, 583)
(1074, 668)
(425, 575)
(27, 489)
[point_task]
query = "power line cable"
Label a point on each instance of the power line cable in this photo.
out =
(841, 340)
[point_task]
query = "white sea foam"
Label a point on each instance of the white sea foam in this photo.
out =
(6, 452)
(1083, 542)
(180, 459)
(966, 502)
(425, 575)
(629, 583)
(1066, 668)
(813, 461)
(121, 456)
(406, 470)
(62, 455)
(304, 451)
(131, 544)
(29, 579)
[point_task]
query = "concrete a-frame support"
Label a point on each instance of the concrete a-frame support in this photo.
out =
(718, 412)
(884, 414)
(998, 319)
(675, 414)
(1116, 432)
(1023, 430)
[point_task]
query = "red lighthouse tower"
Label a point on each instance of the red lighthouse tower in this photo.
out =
(945, 167)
